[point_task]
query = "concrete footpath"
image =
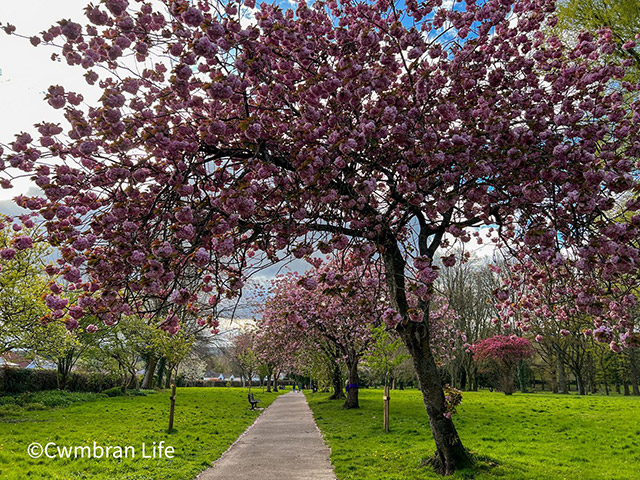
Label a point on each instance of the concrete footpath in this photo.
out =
(284, 442)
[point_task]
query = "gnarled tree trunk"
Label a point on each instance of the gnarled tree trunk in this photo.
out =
(562, 380)
(450, 454)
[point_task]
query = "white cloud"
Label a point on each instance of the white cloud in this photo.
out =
(27, 72)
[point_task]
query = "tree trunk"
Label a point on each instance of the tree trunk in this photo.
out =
(582, 390)
(336, 380)
(167, 383)
(522, 376)
(451, 454)
(161, 366)
(64, 368)
(147, 381)
(352, 392)
(473, 375)
(506, 381)
(604, 375)
(562, 380)
(634, 371)
(269, 382)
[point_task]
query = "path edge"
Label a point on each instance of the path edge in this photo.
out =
(236, 440)
(324, 440)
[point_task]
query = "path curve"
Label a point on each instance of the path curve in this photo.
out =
(284, 442)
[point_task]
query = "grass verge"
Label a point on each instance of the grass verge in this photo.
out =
(207, 421)
(524, 436)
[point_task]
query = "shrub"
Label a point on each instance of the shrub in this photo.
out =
(114, 392)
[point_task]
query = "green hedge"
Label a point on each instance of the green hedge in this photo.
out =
(20, 380)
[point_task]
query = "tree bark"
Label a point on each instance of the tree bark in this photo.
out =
(450, 454)
(352, 393)
(562, 380)
(522, 376)
(64, 368)
(167, 383)
(582, 390)
(506, 379)
(336, 380)
(162, 363)
(147, 382)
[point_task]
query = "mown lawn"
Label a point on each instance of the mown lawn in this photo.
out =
(525, 436)
(207, 421)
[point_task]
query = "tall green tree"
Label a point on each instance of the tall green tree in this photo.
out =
(621, 16)
(23, 284)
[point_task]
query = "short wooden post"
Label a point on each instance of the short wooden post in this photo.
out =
(173, 406)
(386, 408)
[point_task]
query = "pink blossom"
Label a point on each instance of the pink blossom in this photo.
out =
(192, 16)
(117, 7)
(7, 253)
(22, 243)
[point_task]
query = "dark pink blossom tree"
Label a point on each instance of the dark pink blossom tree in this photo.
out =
(503, 353)
(234, 140)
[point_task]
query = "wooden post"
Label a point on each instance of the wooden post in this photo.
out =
(386, 408)
(173, 406)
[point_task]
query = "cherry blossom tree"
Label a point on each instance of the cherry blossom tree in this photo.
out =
(504, 353)
(228, 136)
(274, 351)
(335, 307)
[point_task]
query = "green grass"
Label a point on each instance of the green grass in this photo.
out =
(530, 436)
(207, 421)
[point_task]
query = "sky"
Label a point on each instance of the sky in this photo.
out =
(27, 72)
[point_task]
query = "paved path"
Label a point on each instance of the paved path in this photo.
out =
(283, 443)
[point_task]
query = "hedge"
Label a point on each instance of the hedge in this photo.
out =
(20, 380)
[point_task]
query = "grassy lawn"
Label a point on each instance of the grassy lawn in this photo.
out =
(207, 421)
(530, 436)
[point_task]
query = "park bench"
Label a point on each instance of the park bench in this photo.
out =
(252, 401)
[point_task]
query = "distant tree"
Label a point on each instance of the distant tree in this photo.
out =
(503, 353)
(335, 305)
(384, 354)
(468, 289)
(243, 356)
